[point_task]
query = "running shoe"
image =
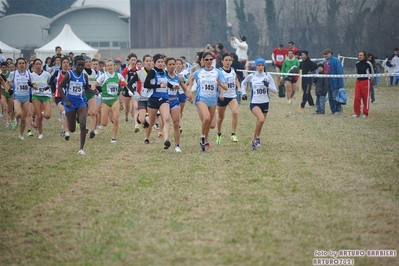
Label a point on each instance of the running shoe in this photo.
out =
(202, 143)
(257, 142)
(99, 126)
(160, 135)
(113, 140)
(40, 136)
(207, 145)
(77, 125)
(156, 126)
(67, 136)
(234, 138)
(30, 133)
(146, 141)
(166, 144)
(92, 134)
(14, 124)
(126, 119)
(122, 107)
(136, 128)
(253, 144)
(218, 139)
(7, 125)
(62, 132)
(177, 148)
(180, 129)
(81, 152)
(21, 137)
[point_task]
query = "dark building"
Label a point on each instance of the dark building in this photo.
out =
(176, 23)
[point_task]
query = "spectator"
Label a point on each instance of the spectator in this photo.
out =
(393, 64)
(386, 69)
(239, 66)
(2, 58)
(333, 66)
(58, 53)
(371, 59)
(322, 85)
(307, 66)
(362, 87)
(241, 47)
(220, 50)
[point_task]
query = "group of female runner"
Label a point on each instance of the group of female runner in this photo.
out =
(162, 87)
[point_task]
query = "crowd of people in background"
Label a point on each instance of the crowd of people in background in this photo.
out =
(153, 92)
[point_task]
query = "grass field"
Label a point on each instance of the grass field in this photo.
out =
(317, 183)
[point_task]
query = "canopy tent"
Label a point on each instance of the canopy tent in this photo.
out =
(68, 41)
(9, 52)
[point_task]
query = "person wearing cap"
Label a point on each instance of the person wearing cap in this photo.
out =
(278, 56)
(333, 66)
(241, 47)
(290, 65)
(308, 67)
(261, 82)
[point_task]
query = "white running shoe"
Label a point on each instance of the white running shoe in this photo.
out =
(21, 137)
(177, 149)
(113, 140)
(67, 135)
(81, 152)
(40, 136)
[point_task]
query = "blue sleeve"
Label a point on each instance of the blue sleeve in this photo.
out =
(221, 76)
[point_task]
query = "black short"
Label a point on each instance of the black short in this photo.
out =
(264, 107)
(225, 102)
(291, 79)
(142, 105)
(155, 103)
(57, 100)
(279, 66)
(125, 92)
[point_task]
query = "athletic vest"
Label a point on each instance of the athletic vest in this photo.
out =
(20, 83)
(231, 83)
(76, 85)
(42, 82)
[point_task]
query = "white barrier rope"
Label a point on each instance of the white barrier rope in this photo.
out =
(326, 75)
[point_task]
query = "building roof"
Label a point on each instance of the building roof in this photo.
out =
(122, 16)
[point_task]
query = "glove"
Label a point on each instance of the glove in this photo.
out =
(136, 96)
(266, 83)
(244, 97)
(130, 93)
(46, 88)
(30, 83)
(10, 91)
(99, 88)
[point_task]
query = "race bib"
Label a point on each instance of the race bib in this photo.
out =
(75, 88)
(112, 89)
(208, 86)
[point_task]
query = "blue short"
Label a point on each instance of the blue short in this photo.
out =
(182, 97)
(225, 101)
(76, 104)
(174, 104)
(208, 101)
(22, 98)
(264, 107)
(155, 103)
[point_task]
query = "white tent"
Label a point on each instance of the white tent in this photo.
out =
(9, 52)
(68, 41)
